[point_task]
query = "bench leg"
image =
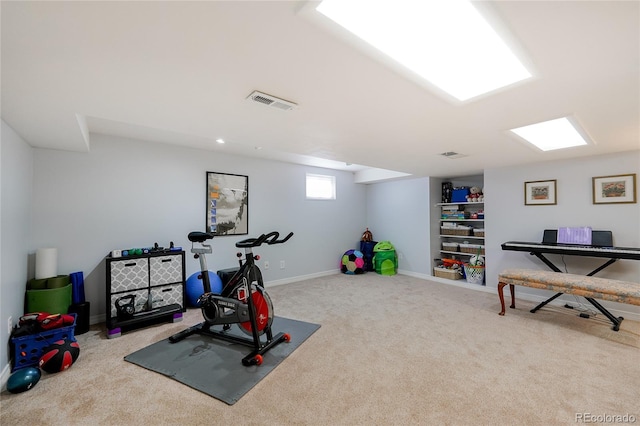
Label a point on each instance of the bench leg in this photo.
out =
(501, 295)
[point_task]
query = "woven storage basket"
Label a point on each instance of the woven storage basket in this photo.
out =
(478, 232)
(455, 230)
(472, 248)
(451, 274)
(450, 246)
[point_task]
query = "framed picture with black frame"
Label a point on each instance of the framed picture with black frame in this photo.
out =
(540, 193)
(227, 204)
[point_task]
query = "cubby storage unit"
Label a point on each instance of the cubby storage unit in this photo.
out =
(461, 230)
(144, 288)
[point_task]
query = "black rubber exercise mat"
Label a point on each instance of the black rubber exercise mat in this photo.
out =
(214, 366)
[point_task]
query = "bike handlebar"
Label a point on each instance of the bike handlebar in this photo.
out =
(270, 238)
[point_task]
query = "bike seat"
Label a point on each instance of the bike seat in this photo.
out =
(199, 237)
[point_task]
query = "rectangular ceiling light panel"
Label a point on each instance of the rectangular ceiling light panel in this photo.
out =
(446, 42)
(553, 134)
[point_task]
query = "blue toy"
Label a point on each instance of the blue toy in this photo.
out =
(23, 379)
(195, 287)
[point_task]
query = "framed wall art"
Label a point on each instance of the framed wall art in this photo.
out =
(614, 189)
(540, 192)
(227, 204)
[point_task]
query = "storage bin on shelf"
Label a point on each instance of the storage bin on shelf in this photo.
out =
(460, 230)
(460, 194)
(472, 248)
(449, 246)
(478, 232)
(452, 274)
(28, 349)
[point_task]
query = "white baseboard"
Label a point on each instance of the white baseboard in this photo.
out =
(96, 319)
(6, 372)
(299, 278)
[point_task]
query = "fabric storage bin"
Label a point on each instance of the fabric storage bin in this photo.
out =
(460, 195)
(366, 247)
(385, 259)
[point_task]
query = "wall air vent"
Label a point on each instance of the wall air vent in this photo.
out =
(452, 155)
(271, 101)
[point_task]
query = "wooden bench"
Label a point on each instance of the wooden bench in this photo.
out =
(586, 286)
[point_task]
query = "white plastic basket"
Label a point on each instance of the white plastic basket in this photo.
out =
(475, 274)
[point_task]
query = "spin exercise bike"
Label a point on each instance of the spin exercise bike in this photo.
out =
(243, 300)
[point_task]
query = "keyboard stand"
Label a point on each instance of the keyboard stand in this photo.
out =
(555, 268)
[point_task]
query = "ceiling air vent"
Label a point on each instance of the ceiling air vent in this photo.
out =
(271, 101)
(452, 155)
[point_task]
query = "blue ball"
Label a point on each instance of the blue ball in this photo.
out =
(23, 379)
(195, 287)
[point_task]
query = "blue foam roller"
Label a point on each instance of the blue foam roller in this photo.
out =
(77, 287)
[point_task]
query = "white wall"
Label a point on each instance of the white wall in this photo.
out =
(16, 158)
(508, 219)
(127, 193)
(398, 211)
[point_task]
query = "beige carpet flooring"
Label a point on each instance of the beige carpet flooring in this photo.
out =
(391, 351)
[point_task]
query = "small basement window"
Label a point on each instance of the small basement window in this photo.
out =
(321, 187)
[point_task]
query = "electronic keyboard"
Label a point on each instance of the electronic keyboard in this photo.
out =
(574, 250)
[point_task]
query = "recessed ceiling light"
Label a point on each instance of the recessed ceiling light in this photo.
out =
(220, 140)
(553, 134)
(446, 42)
(452, 155)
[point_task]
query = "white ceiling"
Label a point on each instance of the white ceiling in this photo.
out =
(179, 72)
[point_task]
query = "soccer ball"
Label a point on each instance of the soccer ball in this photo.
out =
(476, 260)
(352, 262)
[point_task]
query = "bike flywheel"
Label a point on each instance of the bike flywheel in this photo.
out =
(263, 308)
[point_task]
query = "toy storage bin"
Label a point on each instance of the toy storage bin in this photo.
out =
(449, 246)
(478, 232)
(27, 350)
(472, 248)
(460, 230)
(451, 274)
(385, 258)
(460, 194)
(385, 262)
(474, 273)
